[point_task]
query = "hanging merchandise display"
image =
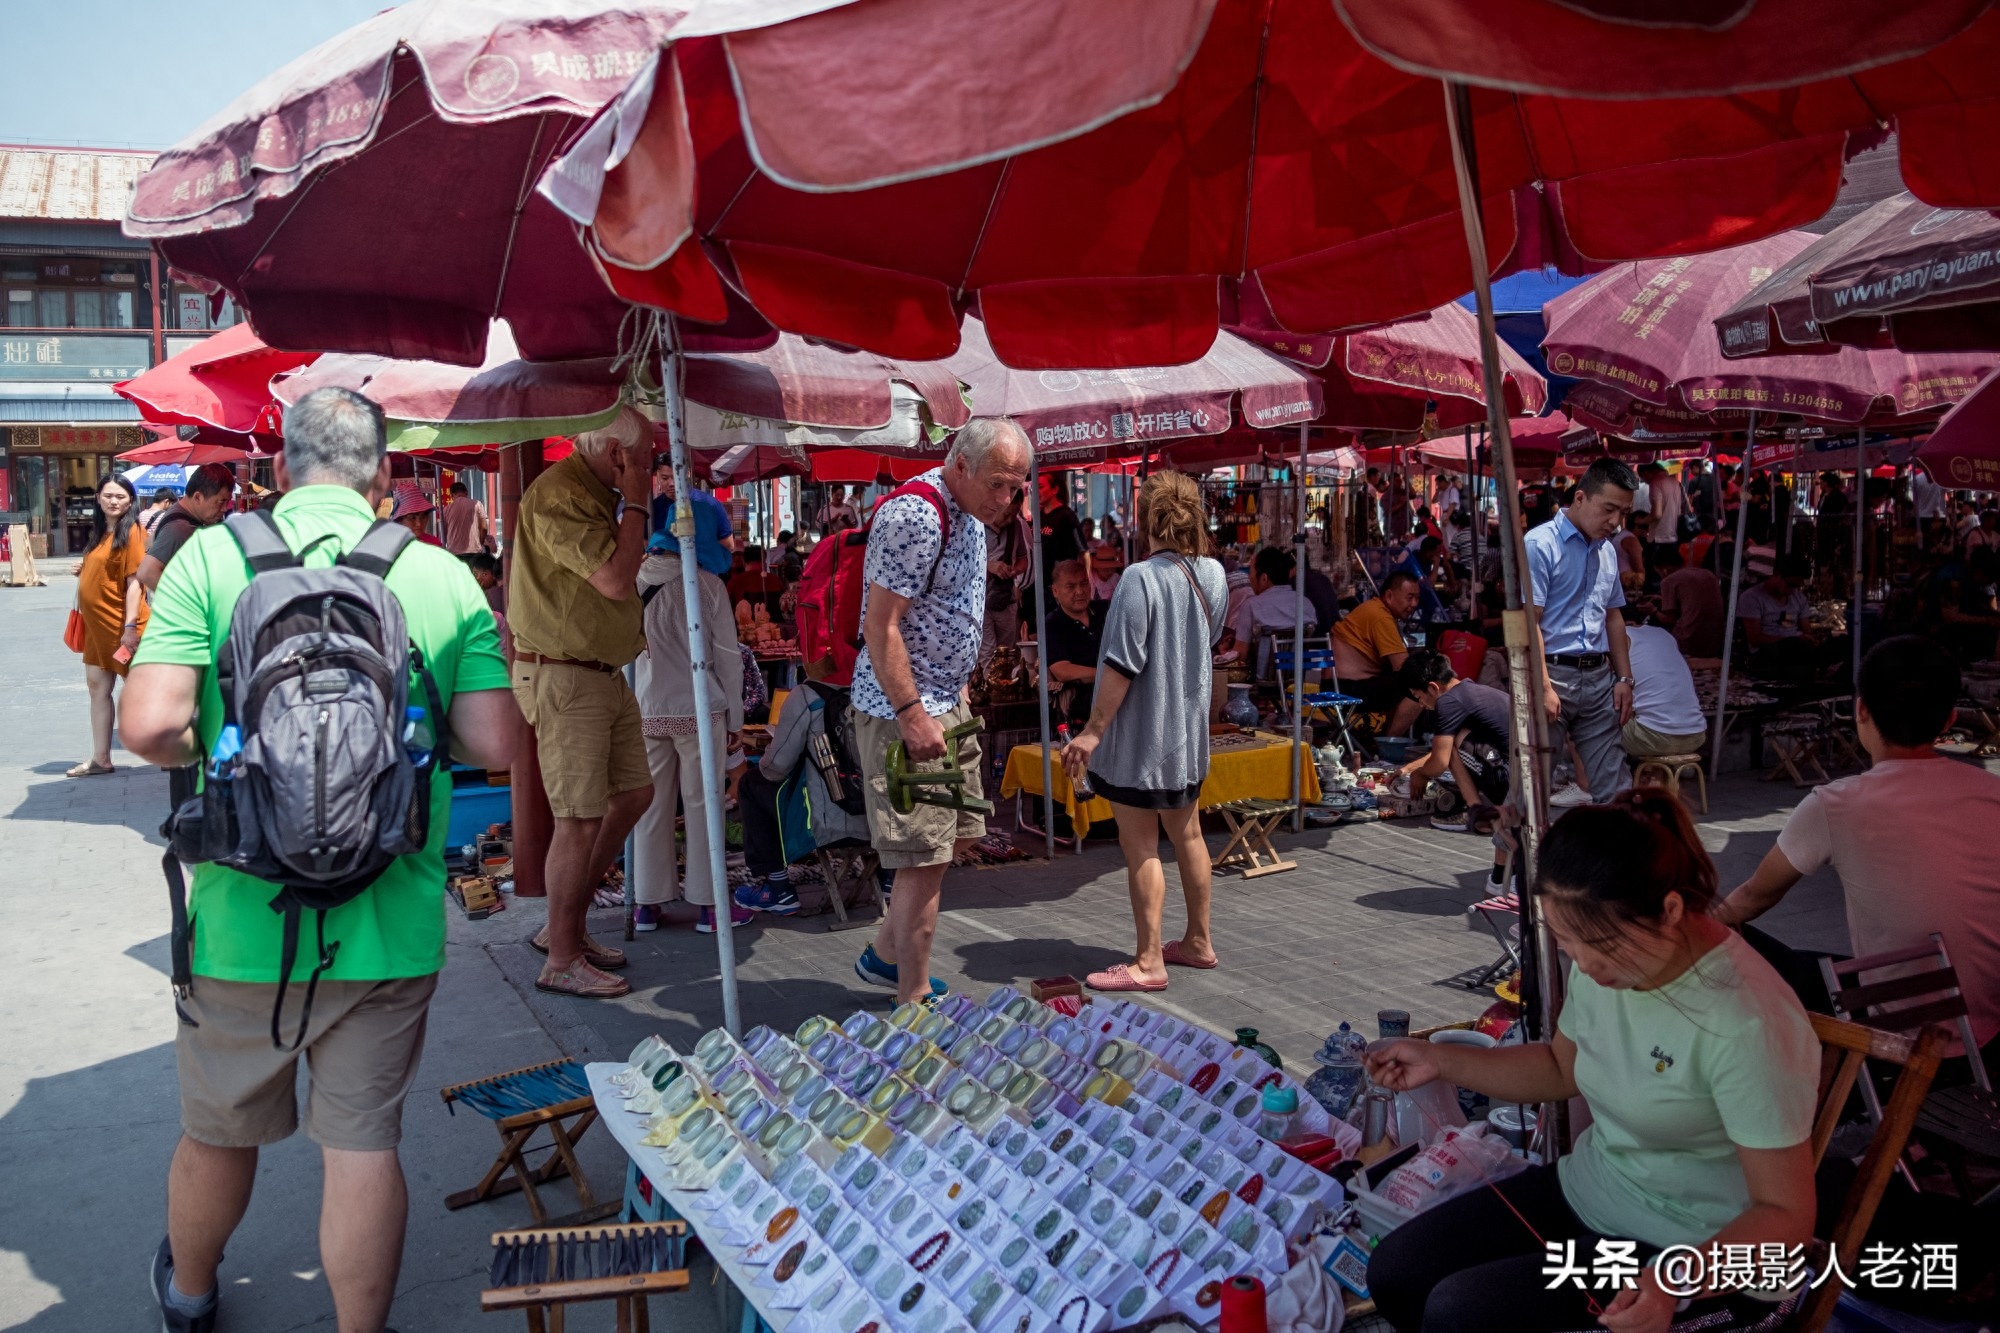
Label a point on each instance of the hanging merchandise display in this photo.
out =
(974, 1168)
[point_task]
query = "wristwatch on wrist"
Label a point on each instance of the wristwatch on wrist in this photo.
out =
(1624, 680)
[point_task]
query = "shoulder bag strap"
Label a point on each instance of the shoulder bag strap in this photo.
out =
(378, 548)
(263, 545)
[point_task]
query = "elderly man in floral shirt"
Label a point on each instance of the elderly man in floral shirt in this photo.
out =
(922, 610)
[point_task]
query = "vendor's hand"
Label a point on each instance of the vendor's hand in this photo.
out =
(1552, 703)
(1621, 699)
(1076, 756)
(1644, 1308)
(923, 738)
(1402, 1064)
(633, 473)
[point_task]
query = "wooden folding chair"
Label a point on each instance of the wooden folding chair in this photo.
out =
(853, 877)
(1797, 741)
(1845, 1049)
(1964, 1121)
(545, 1270)
(521, 1102)
(1251, 823)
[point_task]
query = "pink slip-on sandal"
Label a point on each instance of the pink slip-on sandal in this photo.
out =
(1118, 977)
(1176, 956)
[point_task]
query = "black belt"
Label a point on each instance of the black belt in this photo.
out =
(1581, 661)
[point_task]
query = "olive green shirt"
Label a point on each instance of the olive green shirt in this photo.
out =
(395, 928)
(567, 530)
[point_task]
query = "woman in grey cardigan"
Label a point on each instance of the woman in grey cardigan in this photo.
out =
(1145, 747)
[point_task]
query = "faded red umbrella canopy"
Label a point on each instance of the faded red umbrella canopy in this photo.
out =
(219, 389)
(1395, 376)
(1288, 165)
(1902, 274)
(183, 453)
(1096, 414)
(1964, 451)
(1646, 330)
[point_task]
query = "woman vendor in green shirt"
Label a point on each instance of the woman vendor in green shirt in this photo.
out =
(1700, 1069)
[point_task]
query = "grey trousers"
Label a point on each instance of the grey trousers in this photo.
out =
(1590, 719)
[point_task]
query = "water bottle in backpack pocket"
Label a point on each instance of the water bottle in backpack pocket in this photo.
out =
(321, 775)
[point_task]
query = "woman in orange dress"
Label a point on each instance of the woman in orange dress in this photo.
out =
(113, 605)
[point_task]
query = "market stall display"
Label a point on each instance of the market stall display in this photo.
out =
(978, 1167)
(1258, 768)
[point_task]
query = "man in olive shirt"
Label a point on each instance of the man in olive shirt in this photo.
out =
(574, 609)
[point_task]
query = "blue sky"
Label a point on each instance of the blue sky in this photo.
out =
(142, 73)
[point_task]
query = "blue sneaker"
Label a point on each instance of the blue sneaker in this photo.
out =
(871, 969)
(645, 917)
(774, 896)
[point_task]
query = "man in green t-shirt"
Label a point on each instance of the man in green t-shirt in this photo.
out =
(367, 1026)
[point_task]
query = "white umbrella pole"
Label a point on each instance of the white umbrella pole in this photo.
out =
(1299, 644)
(1528, 674)
(1860, 532)
(707, 734)
(1469, 503)
(1042, 657)
(1735, 584)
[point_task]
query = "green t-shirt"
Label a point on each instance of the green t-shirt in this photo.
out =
(396, 927)
(1676, 1078)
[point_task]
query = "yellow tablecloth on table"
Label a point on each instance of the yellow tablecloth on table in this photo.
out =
(1234, 774)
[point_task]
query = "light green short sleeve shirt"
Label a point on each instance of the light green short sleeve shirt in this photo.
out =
(1677, 1078)
(396, 927)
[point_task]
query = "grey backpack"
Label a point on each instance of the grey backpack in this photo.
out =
(321, 776)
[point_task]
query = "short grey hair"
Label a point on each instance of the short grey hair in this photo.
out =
(334, 437)
(977, 438)
(626, 429)
(1065, 568)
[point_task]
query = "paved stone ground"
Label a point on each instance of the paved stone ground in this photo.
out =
(1373, 918)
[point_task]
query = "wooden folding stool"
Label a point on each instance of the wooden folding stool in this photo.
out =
(1251, 823)
(520, 1102)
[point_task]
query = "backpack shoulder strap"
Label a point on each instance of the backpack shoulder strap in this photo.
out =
(378, 548)
(256, 532)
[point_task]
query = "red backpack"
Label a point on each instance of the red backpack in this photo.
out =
(830, 588)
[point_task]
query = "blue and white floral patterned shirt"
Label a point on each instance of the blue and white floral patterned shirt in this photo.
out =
(942, 623)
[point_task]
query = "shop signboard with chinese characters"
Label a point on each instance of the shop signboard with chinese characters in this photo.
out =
(77, 439)
(105, 358)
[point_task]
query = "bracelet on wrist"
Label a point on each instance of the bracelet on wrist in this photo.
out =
(907, 707)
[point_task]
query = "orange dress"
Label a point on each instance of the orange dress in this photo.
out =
(100, 596)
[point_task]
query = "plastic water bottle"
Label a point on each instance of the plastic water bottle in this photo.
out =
(1339, 1079)
(1278, 1112)
(1082, 786)
(419, 737)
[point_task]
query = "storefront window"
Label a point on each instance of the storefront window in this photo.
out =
(20, 307)
(54, 309)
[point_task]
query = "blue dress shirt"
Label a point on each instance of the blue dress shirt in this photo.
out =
(1575, 582)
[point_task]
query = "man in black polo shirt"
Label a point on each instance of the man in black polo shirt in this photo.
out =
(1076, 632)
(207, 499)
(1472, 725)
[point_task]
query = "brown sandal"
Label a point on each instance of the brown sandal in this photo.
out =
(600, 956)
(90, 768)
(584, 982)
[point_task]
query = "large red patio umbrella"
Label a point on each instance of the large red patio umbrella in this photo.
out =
(1964, 450)
(183, 453)
(1900, 274)
(1392, 376)
(1646, 330)
(219, 387)
(1085, 415)
(1637, 48)
(1288, 159)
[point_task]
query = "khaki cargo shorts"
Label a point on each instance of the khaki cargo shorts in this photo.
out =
(587, 735)
(925, 836)
(361, 1053)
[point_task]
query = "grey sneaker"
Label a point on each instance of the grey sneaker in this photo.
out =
(171, 1319)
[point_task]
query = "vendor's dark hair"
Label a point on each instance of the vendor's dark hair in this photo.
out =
(1609, 472)
(1910, 685)
(121, 531)
(1275, 563)
(1612, 866)
(1397, 578)
(1426, 668)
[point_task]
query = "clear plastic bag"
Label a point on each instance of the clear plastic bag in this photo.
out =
(1463, 1159)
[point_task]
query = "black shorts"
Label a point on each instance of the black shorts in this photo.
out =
(1146, 798)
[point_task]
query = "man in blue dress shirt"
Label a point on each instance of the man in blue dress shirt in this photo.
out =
(1573, 568)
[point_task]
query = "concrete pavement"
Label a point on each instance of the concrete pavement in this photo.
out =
(1374, 917)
